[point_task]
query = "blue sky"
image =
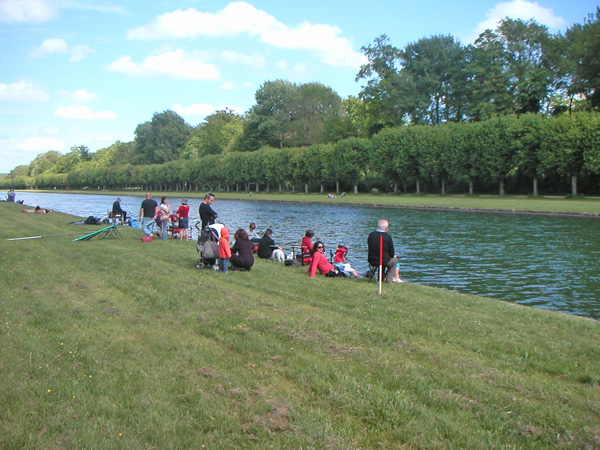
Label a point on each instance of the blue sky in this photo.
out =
(85, 72)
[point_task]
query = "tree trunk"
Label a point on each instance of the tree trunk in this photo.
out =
(418, 187)
(356, 188)
(268, 188)
(256, 187)
(502, 190)
(337, 187)
(395, 187)
(574, 186)
(322, 188)
(536, 191)
(306, 188)
(470, 187)
(443, 186)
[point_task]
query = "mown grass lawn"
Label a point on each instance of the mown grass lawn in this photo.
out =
(118, 344)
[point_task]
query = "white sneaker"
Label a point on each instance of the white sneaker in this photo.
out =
(397, 280)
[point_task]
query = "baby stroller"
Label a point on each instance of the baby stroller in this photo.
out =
(208, 246)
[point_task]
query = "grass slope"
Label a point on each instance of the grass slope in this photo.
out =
(118, 344)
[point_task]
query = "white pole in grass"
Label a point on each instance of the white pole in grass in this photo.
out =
(380, 262)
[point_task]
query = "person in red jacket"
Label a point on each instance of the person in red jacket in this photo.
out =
(224, 249)
(319, 261)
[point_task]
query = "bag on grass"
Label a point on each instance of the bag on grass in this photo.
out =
(148, 239)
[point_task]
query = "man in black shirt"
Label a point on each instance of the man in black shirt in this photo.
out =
(207, 215)
(148, 213)
(389, 260)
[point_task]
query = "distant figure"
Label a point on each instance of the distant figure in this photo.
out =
(118, 211)
(148, 214)
(184, 220)
(267, 249)
(42, 210)
(207, 215)
(242, 251)
(10, 196)
(378, 238)
(224, 250)
(252, 235)
(165, 217)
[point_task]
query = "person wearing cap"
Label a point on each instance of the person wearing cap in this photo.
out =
(184, 220)
(267, 249)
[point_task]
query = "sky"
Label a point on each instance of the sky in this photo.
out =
(88, 72)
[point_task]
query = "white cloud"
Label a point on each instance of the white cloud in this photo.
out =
(240, 17)
(176, 64)
(23, 91)
(200, 111)
(79, 52)
(35, 11)
(80, 95)
(518, 9)
(39, 144)
(56, 45)
(82, 112)
(49, 47)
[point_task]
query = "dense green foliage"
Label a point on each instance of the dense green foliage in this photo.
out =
(523, 152)
(515, 111)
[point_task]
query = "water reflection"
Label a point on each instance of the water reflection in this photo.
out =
(547, 262)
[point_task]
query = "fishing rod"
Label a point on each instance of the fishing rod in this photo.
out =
(46, 236)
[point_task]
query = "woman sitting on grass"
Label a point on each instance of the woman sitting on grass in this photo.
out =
(319, 261)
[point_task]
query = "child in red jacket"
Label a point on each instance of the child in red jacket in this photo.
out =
(224, 249)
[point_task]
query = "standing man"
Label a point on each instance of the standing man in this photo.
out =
(207, 215)
(148, 213)
(380, 237)
(118, 211)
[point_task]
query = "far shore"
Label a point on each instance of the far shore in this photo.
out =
(507, 204)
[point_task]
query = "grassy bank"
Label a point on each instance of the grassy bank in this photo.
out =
(117, 344)
(578, 205)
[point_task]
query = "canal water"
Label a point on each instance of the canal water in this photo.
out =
(550, 262)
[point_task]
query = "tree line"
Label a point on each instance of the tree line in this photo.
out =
(516, 110)
(528, 152)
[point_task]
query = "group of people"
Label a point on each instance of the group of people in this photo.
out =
(240, 255)
(152, 213)
(381, 254)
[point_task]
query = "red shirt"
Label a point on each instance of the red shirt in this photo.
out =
(183, 211)
(319, 262)
(339, 255)
(306, 245)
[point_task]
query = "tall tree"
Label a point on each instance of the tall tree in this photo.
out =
(438, 67)
(583, 50)
(162, 139)
(385, 88)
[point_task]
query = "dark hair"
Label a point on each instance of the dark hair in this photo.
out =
(209, 195)
(241, 235)
(163, 199)
(252, 225)
(309, 233)
(315, 245)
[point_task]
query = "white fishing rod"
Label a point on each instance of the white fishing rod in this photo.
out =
(45, 236)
